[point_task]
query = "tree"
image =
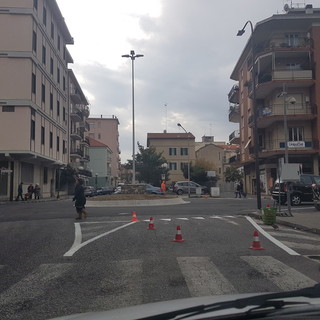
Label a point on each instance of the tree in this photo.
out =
(233, 174)
(149, 165)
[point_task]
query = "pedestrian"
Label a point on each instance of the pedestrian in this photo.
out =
(37, 191)
(20, 191)
(236, 189)
(163, 186)
(80, 199)
(30, 191)
(240, 188)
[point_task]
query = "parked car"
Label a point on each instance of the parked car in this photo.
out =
(90, 191)
(182, 187)
(153, 190)
(301, 191)
(104, 190)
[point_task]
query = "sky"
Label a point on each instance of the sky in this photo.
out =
(190, 48)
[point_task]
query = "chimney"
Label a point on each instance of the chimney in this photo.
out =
(309, 9)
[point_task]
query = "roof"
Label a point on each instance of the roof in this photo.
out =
(225, 147)
(188, 135)
(96, 143)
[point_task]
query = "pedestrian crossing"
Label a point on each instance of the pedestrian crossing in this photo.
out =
(129, 282)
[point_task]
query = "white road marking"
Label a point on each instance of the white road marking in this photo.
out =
(216, 217)
(293, 235)
(306, 246)
(34, 284)
(234, 223)
(272, 239)
(77, 242)
(198, 218)
(165, 219)
(102, 222)
(186, 219)
(285, 277)
(203, 278)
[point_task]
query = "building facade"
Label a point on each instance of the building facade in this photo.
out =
(283, 52)
(106, 130)
(177, 148)
(34, 96)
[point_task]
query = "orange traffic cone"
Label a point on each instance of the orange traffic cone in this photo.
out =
(134, 217)
(151, 225)
(256, 242)
(178, 237)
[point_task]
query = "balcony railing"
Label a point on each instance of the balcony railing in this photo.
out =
(234, 136)
(234, 113)
(233, 95)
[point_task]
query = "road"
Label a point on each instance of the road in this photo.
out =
(52, 265)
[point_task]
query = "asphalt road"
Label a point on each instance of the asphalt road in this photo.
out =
(52, 265)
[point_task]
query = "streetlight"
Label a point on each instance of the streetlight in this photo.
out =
(133, 56)
(179, 125)
(255, 115)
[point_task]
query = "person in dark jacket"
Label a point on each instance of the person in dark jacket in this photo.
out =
(80, 199)
(20, 192)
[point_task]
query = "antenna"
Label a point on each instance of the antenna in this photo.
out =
(166, 116)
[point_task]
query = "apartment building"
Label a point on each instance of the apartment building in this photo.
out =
(286, 61)
(105, 129)
(79, 145)
(33, 95)
(178, 149)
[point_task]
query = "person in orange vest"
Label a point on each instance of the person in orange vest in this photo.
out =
(163, 186)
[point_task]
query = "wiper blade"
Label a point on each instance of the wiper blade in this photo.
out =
(260, 301)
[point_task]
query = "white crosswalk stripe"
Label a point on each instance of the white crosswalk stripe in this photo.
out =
(203, 278)
(283, 276)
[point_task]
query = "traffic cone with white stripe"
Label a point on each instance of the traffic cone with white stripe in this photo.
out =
(151, 224)
(256, 242)
(178, 237)
(134, 217)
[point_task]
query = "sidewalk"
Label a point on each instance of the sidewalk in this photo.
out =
(306, 221)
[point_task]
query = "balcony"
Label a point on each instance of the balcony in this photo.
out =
(271, 114)
(234, 137)
(76, 153)
(76, 135)
(234, 113)
(233, 95)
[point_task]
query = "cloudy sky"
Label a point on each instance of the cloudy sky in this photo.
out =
(190, 49)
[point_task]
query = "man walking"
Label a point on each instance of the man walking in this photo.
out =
(20, 191)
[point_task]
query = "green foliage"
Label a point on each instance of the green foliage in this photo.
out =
(233, 174)
(149, 165)
(198, 172)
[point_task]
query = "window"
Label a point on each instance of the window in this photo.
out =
(58, 144)
(45, 175)
(51, 66)
(296, 134)
(27, 172)
(64, 149)
(64, 53)
(292, 40)
(172, 151)
(51, 101)
(59, 44)
(42, 135)
(99, 136)
(91, 125)
(51, 140)
(35, 4)
(58, 75)
(64, 83)
(33, 83)
(58, 108)
(91, 135)
(184, 166)
(44, 53)
(34, 41)
(184, 151)
(43, 93)
(52, 30)
(8, 109)
(33, 130)
(172, 165)
(44, 18)
(64, 114)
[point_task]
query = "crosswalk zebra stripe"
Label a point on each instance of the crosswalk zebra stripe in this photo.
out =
(203, 278)
(34, 285)
(216, 217)
(198, 218)
(285, 277)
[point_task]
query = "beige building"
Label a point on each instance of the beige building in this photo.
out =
(105, 130)
(177, 148)
(286, 60)
(34, 99)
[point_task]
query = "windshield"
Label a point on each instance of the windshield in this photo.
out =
(141, 143)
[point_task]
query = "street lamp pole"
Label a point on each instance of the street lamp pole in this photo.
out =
(188, 133)
(133, 56)
(255, 115)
